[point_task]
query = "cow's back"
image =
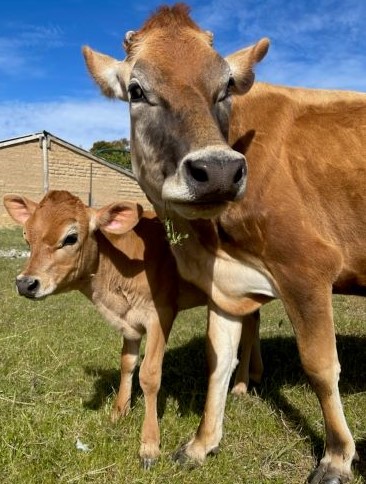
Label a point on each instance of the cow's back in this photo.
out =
(306, 153)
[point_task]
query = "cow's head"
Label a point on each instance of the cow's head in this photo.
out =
(180, 91)
(60, 233)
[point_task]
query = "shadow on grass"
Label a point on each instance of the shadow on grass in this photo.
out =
(282, 367)
(106, 383)
(361, 464)
(184, 380)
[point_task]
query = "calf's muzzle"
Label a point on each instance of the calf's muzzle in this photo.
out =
(27, 286)
(215, 177)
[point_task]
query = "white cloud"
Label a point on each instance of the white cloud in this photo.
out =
(78, 122)
(21, 51)
(313, 44)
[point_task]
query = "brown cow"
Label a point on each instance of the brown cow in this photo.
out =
(119, 258)
(288, 220)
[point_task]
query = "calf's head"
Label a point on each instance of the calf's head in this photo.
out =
(180, 93)
(60, 232)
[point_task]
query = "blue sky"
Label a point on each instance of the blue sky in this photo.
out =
(44, 84)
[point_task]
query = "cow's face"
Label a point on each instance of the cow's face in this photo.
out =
(180, 93)
(61, 250)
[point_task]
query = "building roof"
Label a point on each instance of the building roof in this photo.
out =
(50, 137)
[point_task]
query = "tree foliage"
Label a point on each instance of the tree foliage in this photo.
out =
(117, 152)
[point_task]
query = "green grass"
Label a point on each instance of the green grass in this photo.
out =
(12, 239)
(59, 370)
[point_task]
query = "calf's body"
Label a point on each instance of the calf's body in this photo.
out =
(131, 279)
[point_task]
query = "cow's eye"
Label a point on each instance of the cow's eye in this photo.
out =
(70, 239)
(136, 92)
(228, 89)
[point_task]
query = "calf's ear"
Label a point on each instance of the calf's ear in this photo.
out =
(19, 208)
(117, 218)
(111, 75)
(242, 65)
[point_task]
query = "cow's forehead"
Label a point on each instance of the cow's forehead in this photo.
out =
(175, 48)
(175, 70)
(180, 55)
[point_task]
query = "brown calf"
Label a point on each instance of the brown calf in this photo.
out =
(270, 188)
(119, 258)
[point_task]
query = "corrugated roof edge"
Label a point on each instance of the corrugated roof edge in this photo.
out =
(42, 134)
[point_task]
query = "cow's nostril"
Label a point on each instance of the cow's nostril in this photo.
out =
(239, 174)
(198, 173)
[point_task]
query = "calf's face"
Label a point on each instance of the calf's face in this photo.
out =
(180, 94)
(60, 233)
(61, 248)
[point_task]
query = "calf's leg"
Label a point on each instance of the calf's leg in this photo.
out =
(250, 365)
(150, 380)
(129, 359)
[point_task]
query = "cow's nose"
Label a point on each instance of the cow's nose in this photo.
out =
(203, 171)
(27, 286)
(216, 177)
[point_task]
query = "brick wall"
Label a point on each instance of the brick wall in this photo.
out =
(82, 176)
(21, 172)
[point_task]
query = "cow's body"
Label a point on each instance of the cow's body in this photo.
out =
(304, 203)
(120, 259)
(291, 224)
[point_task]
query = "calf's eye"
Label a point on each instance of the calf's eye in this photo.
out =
(70, 239)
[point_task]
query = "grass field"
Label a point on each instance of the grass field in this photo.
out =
(59, 371)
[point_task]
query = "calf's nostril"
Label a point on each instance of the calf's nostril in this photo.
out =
(27, 286)
(33, 285)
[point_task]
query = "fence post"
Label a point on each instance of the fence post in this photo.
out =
(45, 163)
(91, 185)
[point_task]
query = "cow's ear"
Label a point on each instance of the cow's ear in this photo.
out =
(111, 75)
(117, 218)
(242, 65)
(19, 208)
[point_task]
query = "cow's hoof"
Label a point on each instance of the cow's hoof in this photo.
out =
(147, 463)
(182, 458)
(324, 475)
(331, 480)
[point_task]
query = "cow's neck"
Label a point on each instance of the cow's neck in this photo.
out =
(235, 281)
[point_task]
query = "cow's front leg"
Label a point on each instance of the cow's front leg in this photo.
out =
(129, 359)
(312, 319)
(250, 365)
(150, 380)
(223, 336)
